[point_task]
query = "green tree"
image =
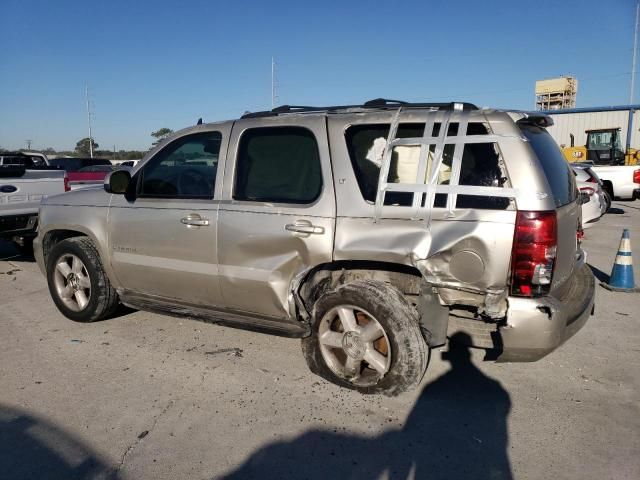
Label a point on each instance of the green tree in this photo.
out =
(161, 134)
(82, 147)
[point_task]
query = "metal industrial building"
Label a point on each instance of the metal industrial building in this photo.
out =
(577, 120)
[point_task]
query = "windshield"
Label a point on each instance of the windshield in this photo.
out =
(604, 140)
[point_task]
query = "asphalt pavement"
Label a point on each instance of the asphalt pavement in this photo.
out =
(144, 396)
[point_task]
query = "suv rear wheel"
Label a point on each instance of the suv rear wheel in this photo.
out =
(78, 284)
(366, 336)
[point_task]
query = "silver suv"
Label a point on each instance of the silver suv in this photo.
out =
(369, 231)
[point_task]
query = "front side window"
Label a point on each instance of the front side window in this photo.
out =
(278, 164)
(186, 168)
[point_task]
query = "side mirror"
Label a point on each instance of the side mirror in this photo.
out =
(117, 181)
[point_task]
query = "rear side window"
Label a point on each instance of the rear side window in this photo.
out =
(278, 164)
(480, 164)
(559, 175)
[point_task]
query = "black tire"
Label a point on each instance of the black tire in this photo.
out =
(399, 320)
(608, 188)
(103, 299)
(607, 199)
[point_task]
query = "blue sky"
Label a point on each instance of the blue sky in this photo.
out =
(152, 64)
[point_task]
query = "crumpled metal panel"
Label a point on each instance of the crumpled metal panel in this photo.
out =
(257, 269)
(464, 252)
(431, 250)
(260, 256)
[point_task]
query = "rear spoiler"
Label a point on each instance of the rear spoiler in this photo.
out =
(535, 118)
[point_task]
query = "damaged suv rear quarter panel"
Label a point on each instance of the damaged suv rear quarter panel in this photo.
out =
(465, 254)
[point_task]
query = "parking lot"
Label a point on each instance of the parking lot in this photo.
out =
(151, 397)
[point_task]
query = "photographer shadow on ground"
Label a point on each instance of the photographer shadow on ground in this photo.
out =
(457, 429)
(34, 448)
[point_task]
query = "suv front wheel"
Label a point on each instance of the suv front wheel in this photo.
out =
(366, 336)
(78, 284)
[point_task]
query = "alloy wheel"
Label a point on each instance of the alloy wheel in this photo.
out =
(354, 345)
(72, 283)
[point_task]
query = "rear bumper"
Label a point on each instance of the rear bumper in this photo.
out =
(537, 326)
(636, 193)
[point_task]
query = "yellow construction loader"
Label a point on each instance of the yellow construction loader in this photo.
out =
(604, 147)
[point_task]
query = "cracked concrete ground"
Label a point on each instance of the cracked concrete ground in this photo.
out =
(144, 396)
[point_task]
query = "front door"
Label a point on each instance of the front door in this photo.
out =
(163, 236)
(277, 216)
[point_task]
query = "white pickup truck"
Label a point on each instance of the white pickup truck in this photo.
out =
(620, 181)
(21, 191)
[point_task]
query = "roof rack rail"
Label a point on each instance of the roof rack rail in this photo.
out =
(381, 103)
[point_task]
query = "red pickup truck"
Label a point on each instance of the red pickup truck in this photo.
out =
(83, 171)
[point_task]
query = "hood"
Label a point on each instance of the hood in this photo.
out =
(90, 196)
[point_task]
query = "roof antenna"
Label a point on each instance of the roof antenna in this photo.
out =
(199, 121)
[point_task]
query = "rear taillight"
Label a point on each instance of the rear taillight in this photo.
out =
(534, 252)
(636, 176)
(588, 190)
(66, 183)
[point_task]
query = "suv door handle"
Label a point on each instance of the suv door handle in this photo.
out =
(194, 220)
(305, 227)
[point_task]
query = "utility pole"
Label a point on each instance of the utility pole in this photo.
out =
(28, 144)
(86, 94)
(274, 81)
(635, 51)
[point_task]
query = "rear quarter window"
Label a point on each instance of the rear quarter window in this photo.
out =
(480, 164)
(556, 169)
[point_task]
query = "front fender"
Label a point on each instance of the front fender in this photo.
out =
(87, 221)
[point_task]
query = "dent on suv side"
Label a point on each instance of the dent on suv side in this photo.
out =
(371, 232)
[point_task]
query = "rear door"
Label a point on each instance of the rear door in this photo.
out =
(563, 188)
(277, 217)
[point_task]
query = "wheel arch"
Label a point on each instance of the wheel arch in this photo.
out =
(55, 235)
(433, 315)
(327, 276)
